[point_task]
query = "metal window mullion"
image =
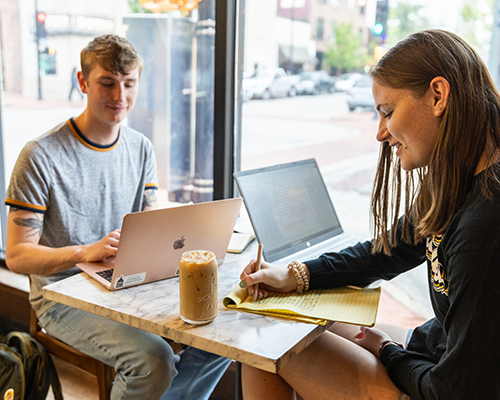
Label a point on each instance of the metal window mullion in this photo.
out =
(224, 96)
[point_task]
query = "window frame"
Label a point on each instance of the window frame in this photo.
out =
(224, 98)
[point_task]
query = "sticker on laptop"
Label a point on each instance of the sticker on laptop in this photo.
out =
(129, 280)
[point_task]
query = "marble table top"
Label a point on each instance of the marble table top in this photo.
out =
(263, 342)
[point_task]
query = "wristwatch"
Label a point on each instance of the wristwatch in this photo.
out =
(386, 343)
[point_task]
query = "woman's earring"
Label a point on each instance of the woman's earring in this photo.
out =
(440, 109)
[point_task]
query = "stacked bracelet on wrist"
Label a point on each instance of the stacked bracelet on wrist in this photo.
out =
(300, 276)
(304, 277)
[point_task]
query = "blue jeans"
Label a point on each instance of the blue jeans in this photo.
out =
(145, 364)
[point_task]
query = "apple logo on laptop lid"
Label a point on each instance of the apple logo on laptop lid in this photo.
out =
(179, 243)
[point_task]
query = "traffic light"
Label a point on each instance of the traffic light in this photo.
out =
(380, 27)
(40, 24)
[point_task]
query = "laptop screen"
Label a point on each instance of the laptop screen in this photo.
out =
(289, 207)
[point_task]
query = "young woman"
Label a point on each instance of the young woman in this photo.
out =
(440, 122)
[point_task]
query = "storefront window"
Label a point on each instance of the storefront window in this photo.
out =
(175, 102)
(321, 104)
(293, 109)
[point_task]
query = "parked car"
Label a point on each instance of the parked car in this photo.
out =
(346, 81)
(315, 82)
(361, 95)
(247, 89)
(266, 83)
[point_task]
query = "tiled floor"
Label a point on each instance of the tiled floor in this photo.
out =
(78, 385)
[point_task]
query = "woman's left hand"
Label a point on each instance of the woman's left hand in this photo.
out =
(371, 339)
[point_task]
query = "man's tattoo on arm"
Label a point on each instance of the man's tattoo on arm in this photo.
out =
(34, 224)
(149, 198)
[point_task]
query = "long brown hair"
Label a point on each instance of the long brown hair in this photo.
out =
(470, 126)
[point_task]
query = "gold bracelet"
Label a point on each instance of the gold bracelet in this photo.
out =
(302, 273)
(304, 276)
(295, 267)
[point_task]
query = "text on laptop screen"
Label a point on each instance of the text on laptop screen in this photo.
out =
(289, 204)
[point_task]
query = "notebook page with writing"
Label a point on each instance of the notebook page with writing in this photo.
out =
(351, 306)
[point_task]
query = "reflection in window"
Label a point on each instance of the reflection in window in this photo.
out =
(175, 105)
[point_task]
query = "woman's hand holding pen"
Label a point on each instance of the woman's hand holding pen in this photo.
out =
(270, 277)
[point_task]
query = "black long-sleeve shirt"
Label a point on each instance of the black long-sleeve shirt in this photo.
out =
(455, 355)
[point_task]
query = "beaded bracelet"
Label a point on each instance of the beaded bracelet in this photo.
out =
(304, 276)
(295, 267)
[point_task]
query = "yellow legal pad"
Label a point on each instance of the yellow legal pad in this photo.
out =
(320, 306)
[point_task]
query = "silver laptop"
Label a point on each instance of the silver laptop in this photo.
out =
(291, 212)
(152, 242)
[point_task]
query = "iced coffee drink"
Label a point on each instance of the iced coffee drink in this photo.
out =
(198, 286)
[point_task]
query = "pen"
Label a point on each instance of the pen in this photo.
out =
(257, 267)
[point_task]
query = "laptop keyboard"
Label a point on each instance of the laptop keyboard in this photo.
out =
(340, 245)
(106, 274)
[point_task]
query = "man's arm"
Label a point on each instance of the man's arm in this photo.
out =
(25, 256)
(150, 200)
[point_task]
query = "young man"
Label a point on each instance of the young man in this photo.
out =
(68, 194)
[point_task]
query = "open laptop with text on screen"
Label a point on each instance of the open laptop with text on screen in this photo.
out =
(152, 242)
(291, 212)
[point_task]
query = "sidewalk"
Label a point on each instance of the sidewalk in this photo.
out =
(16, 101)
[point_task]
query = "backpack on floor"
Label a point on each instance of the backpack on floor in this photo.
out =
(26, 369)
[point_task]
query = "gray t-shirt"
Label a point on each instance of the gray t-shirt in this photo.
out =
(82, 188)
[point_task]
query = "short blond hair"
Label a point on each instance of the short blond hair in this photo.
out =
(111, 52)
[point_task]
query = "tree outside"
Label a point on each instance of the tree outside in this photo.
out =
(476, 22)
(346, 53)
(135, 7)
(405, 18)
